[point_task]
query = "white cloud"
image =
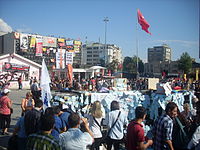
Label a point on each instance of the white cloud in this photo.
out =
(24, 29)
(181, 42)
(4, 26)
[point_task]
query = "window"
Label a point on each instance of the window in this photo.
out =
(89, 52)
(95, 47)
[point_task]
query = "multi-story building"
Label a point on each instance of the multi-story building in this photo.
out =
(159, 53)
(159, 60)
(100, 54)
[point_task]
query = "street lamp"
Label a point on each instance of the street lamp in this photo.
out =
(105, 20)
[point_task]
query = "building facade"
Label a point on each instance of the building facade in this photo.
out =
(159, 60)
(36, 47)
(159, 53)
(12, 66)
(99, 54)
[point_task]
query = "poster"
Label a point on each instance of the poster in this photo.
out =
(60, 59)
(39, 43)
(69, 42)
(23, 41)
(49, 41)
(33, 42)
(15, 67)
(61, 42)
(69, 58)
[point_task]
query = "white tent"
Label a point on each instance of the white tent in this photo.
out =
(96, 67)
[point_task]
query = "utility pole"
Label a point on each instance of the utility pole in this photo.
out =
(105, 47)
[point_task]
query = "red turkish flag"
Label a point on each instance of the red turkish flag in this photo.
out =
(144, 24)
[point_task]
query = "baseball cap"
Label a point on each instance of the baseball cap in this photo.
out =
(5, 91)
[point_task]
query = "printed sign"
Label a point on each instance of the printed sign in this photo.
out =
(15, 67)
(69, 58)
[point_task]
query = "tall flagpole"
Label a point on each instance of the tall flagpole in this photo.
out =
(137, 46)
(105, 46)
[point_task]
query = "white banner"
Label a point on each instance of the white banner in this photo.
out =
(69, 58)
(44, 84)
(39, 42)
(60, 59)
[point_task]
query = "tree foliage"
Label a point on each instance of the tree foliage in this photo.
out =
(185, 63)
(130, 65)
(113, 66)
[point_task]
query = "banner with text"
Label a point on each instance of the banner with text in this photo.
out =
(69, 58)
(39, 42)
(60, 59)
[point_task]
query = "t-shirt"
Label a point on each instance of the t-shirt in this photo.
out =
(4, 105)
(57, 127)
(135, 134)
(75, 139)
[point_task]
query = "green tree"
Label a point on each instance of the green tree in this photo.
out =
(185, 63)
(113, 66)
(130, 65)
(140, 64)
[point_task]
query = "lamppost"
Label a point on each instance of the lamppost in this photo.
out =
(105, 20)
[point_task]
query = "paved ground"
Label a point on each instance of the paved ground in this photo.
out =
(16, 96)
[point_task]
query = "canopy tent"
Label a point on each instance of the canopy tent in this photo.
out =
(96, 67)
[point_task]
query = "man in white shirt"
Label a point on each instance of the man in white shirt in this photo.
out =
(74, 138)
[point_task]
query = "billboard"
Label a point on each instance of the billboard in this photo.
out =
(15, 67)
(49, 41)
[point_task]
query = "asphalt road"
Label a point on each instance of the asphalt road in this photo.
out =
(16, 96)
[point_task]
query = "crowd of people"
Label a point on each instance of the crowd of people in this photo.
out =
(56, 128)
(95, 84)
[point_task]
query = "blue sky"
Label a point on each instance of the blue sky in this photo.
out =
(172, 22)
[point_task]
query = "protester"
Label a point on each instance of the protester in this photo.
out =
(58, 124)
(74, 138)
(187, 113)
(135, 132)
(195, 141)
(95, 119)
(20, 82)
(116, 120)
(27, 103)
(19, 130)
(31, 81)
(177, 138)
(5, 111)
(32, 118)
(43, 140)
(162, 129)
(64, 119)
(35, 90)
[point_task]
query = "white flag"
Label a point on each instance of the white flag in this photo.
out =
(44, 84)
